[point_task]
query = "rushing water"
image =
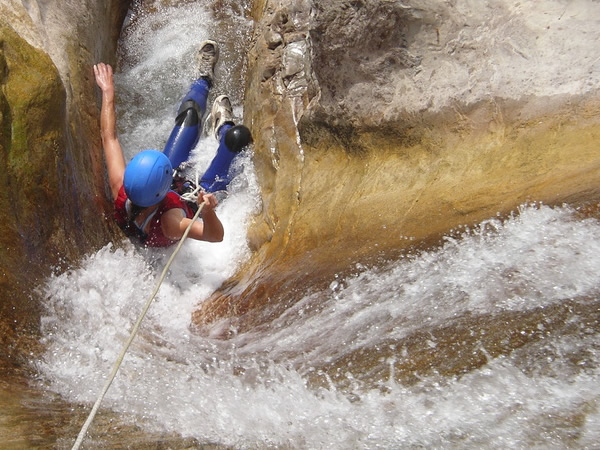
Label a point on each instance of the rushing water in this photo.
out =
(339, 369)
(253, 390)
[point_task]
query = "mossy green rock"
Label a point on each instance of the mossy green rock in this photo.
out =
(50, 208)
(32, 102)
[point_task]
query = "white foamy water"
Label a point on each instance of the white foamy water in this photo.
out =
(252, 391)
(539, 257)
(233, 392)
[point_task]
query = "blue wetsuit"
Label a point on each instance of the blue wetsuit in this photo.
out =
(216, 177)
(186, 133)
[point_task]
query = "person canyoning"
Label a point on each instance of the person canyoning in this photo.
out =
(147, 192)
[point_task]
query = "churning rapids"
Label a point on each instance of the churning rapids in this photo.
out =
(274, 386)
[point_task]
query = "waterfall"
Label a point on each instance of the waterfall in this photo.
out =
(419, 351)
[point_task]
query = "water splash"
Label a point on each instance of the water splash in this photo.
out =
(157, 64)
(253, 390)
(258, 389)
(539, 257)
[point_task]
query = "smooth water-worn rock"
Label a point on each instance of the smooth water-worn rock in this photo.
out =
(51, 166)
(378, 125)
(383, 125)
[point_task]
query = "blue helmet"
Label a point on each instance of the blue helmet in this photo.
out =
(148, 177)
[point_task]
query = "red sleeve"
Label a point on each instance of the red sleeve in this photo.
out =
(173, 200)
(120, 210)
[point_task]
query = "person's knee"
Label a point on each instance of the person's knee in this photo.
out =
(188, 115)
(238, 137)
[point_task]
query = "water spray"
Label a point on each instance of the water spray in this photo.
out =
(134, 331)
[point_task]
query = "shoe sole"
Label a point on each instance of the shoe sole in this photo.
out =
(214, 44)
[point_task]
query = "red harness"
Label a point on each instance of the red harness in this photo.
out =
(155, 236)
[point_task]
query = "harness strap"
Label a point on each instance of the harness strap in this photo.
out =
(132, 227)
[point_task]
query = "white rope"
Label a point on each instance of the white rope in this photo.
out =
(193, 196)
(111, 377)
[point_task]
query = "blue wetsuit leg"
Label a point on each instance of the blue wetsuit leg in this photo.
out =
(216, 177)
(188, 124)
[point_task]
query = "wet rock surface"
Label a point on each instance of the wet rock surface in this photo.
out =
(380, 126)
(52, 168)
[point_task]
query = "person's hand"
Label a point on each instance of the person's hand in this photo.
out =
(104, 77)
(210, 228)
(209, 199)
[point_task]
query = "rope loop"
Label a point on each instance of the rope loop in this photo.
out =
(193, 196)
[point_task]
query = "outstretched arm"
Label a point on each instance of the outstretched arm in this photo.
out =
(113, 154)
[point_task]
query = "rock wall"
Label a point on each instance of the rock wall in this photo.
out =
(382, 125)
(51, 165)
(379, 126)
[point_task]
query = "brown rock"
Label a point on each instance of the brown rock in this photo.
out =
(51, 167)
(387, 124)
